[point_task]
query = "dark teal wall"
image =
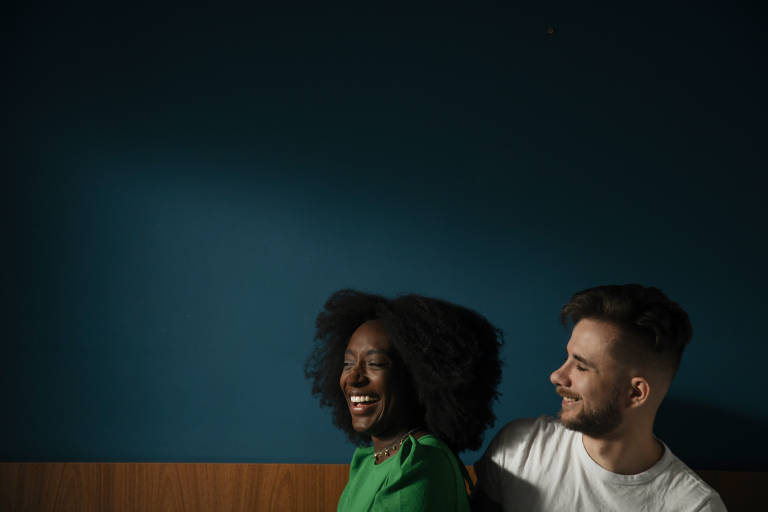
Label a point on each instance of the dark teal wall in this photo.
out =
(184, 189)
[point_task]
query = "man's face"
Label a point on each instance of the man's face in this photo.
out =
(590, 380)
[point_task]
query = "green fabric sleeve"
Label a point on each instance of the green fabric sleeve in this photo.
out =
(426, 481)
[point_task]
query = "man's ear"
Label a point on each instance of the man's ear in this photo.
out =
(640, 391)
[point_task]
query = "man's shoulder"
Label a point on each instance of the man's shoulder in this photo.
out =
(686, 486)
(527, 433)
(530, 428)
(521, 461)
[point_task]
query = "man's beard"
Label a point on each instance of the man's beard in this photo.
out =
(596, 423)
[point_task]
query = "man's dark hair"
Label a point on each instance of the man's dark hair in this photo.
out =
(652, 326)
(450, 355)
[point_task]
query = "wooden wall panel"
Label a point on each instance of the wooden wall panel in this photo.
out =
(204, 487)
(170, 487)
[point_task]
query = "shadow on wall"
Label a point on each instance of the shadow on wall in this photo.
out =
(706, 437)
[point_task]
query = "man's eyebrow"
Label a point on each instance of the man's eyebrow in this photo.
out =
(583, 361)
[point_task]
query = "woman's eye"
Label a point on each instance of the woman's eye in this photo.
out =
(347, 364)
(581, 368)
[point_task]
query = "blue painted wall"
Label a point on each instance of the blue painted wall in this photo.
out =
(186, 187)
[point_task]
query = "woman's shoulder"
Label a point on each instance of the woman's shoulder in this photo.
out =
(426, 438)
(431, 475)
(427, 452)
(429, 440)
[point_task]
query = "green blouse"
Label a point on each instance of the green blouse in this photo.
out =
(423, 475)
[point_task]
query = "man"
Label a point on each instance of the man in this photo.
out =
(601, 454)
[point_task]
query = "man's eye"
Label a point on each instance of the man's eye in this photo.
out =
(377, 364)
(348, 364)
(580, 368)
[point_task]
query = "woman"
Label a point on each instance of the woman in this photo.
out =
(418, 377)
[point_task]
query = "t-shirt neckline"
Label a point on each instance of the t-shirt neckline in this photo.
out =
(600, 472)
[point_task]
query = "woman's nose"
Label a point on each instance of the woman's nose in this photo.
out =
(357, 375)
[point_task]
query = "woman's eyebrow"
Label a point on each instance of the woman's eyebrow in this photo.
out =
(370, 352)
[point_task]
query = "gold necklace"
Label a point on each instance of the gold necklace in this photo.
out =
(394, 446)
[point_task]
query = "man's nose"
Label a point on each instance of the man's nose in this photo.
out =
(559, 377)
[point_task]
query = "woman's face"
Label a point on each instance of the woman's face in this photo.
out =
(373, 383)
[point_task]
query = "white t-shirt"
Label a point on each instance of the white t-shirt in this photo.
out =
(538, 464)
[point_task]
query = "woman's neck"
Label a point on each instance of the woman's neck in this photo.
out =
(382, 441)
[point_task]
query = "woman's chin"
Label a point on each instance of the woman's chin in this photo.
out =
(361, 427)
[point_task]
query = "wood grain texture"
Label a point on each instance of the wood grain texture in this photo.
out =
(170, 487)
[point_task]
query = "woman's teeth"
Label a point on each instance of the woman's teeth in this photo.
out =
(358, 399)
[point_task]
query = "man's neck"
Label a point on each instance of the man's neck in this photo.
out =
(623, 452)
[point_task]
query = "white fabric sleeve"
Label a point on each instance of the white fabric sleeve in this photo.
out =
(714, 504)
(489, 473)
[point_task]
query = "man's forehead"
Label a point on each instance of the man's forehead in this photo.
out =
(598, 331)
(592, 339)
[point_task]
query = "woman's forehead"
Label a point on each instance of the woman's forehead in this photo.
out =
(371, 335)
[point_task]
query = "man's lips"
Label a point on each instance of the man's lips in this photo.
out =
(568, 398)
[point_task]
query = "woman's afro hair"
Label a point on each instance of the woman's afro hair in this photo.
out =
(450, 354)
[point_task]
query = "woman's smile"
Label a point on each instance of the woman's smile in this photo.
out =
(362, 403)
